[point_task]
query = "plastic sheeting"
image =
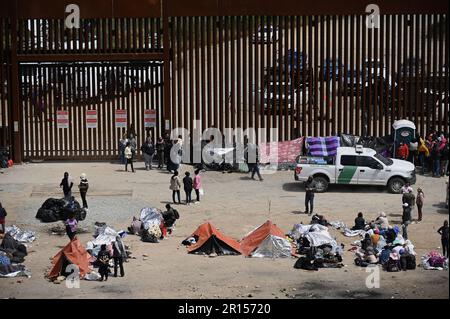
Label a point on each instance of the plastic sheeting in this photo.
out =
(150, 216)
(273, 247)
(426, 261)
(23, 236)
(316, 234)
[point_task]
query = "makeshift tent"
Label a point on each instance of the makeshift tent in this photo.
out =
(268, 240)
(209, 240)
(150, 216)
(72, 253)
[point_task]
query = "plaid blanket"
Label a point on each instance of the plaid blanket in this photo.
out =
(322, 146)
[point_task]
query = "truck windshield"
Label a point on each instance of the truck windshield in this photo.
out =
(384, 160)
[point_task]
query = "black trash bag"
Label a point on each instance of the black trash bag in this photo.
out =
(348, 140)
(305, 263)
(53, 210)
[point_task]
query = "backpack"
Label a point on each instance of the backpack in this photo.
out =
(411, 262)
(176, 214)
(392, 265)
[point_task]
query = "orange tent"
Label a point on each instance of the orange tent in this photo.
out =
(268, 240)
(73, 253)
(210, 240)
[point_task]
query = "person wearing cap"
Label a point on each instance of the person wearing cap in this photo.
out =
(406, 188)
(375, 237)
(83, 187)
(406, 219)
(119, 255)
(420, 199)
(409, 198)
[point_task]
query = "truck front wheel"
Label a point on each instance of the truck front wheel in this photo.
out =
(395, 185)
(321, 184)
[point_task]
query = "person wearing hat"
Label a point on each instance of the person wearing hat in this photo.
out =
(375, 237)
(83, 187)
(382, 221)
(406, 219)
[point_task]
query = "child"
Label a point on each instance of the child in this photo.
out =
(129, 157)
(103, 259)
(3, 215)
(175, 186)
(71, 227)
(188, 184)
(197, 184)
(443, 231)
(419, 202)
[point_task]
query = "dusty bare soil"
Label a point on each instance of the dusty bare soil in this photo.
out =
(234, 204)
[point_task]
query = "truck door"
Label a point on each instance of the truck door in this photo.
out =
(370, 171)
(346, 170)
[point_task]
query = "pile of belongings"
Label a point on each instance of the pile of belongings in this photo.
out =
(268, 240)
(320, 249)
(348, 232)
(153, 225)
(59, 209)
(104, 235)
(72, 254)
(434, 261)
(12, 255)
(23, 236)
(382, 145)
(208, 240)
(385, 247)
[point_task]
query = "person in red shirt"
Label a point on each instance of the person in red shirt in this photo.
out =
(403, 151)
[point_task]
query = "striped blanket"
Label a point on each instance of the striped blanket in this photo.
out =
(322, 146)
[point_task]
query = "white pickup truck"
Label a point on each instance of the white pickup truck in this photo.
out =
(357, 166)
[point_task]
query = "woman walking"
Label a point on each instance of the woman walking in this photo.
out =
(129, 157)
(419, 202)
(175, 186)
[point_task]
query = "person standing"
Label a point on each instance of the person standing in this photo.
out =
(310, 187)
(443, 231)
(103, 258)
(409, 198)
(119, 255)
(406, 219)
(420, 199)
(133, 144)
(71, 226)
(66, 185)
(160, 152)
(148, 150)
(122, 144)
(423, 154)
(3, 215)
(175, 186)
(197, 184)
(188, 184)
(444, 156)
(436, 158)
(83, 187)
(403, 152)
(129, 157)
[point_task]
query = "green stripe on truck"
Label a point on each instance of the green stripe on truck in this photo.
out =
(346, 174)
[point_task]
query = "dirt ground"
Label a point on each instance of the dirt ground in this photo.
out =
(233, 203)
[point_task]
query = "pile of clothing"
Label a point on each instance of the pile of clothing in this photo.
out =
(153, 225)
(12, 255)
(106, 235)
(54, 210)
(434, 261)
(319, 248)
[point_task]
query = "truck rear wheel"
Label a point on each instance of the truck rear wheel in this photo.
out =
(321, 184)
(395, 185)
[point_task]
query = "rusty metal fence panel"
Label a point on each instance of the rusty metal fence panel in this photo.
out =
(310, 75)
(5, 96)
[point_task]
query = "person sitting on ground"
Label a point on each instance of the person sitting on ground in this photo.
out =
(319, 219)
(360, 223)
(366, 242)
(170, 216)
(3, 215)
(370, 256)
(103, 258)
(375, 237)
(382, 221)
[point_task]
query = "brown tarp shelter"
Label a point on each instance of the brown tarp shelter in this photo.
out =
(210, 240)
(72, 253)
(268, 240)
